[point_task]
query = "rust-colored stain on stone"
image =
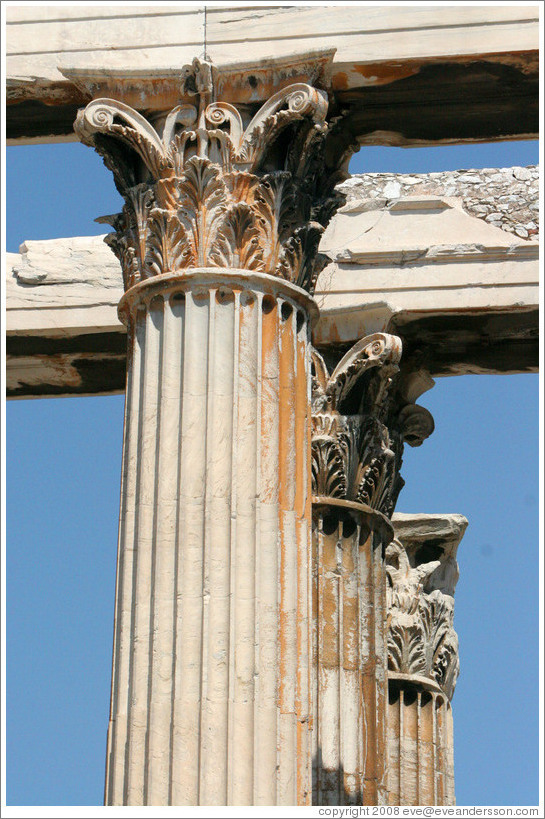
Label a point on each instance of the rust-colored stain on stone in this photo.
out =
(269, 389)
(339, 81)
(383, 73)
(303, 513)
(348, 611)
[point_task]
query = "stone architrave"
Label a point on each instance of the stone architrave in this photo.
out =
(224, 209)
(361, 416)
(423, 662)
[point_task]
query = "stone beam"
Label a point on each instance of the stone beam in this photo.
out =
(400, 76)
(419, 256)
(448, 261)
(64, 334)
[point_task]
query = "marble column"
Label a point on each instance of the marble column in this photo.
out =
(422, 658)
(360, 422)
(349, 650)
(223, 213)
(211, 637)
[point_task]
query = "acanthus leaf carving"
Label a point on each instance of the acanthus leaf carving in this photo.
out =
(352, 405)
(202, 203)
(242, 193)
(369, 421)
(132, 232)
(421, 637)
(274, 201)
(220, 113)
(329, 462)
(103, 116)
(301, 101)
(372, 351)
(296, 255)
(237, 243)
(168, 247)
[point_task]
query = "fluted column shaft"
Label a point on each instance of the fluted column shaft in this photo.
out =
(210, 694)
(350, 686)
(420, 744)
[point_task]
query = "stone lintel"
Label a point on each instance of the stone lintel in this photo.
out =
(401, 76)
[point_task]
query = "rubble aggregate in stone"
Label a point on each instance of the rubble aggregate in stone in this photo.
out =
(503, 197)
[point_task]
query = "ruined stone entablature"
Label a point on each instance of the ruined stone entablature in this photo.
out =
(507, 198)
(362, 414)
(422, 642)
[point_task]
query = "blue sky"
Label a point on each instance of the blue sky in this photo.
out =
(63, 467)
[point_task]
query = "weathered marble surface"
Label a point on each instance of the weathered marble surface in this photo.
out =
(423, 572)
(210, 696)
(419, 254)
(42, 39)
(217, 239)
(392, 64)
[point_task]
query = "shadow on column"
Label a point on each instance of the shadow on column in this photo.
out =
(333, 786)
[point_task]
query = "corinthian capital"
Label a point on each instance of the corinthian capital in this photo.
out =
(422, 574)
(211, 184)
(361, 417)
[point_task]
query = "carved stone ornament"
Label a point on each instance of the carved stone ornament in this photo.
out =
(208, 185)
(421, 638)
(359, 424)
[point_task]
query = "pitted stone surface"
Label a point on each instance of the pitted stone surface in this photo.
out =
(504, 197)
